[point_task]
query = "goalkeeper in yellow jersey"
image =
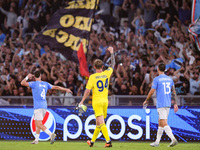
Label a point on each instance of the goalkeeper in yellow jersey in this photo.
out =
(99, 84)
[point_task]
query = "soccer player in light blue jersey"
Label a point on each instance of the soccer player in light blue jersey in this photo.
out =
(39, 90)
(165, 88)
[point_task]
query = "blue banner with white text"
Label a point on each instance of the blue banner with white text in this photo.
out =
(124, 124)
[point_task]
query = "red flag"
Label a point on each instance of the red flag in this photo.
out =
(82, 61)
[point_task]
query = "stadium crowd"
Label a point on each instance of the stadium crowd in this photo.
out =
(142, 32)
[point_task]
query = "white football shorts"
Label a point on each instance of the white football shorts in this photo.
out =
(163, 112)
(39, 114)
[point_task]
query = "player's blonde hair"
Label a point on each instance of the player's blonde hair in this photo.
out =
(98, 64)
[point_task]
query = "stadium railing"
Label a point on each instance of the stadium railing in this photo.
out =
(114, 100)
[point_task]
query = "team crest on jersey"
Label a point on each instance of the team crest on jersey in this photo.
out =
(48, 121)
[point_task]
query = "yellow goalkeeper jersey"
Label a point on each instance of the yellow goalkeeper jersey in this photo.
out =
(99, 83)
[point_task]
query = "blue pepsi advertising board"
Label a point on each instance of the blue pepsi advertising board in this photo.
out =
(124, 124)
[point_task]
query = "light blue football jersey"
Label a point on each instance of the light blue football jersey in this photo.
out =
(163, 85)
(39, 90)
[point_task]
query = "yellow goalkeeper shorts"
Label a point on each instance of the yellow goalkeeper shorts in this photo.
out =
(100, 109)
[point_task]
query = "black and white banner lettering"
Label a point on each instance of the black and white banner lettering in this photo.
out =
(68, 27)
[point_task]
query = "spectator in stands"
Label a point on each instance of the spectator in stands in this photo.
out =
(18, 100)
(137, 81)
(198, 63)
(138, 49)
(105, 14)
(117, 84)
(131, 13)
(116, 9)
(55, 6)
(182, 85)
(80, 88)
(45, 5)
(23, 21)
(28, 92)
(123, 90)
(173, 75)
(6, 91)
(70, 83)
(145, 88)
(11, 17)
(162, 10)
(30, 7)
(125, 7)
(69, 100)
(103, 46)
(194, 81)
(184, 13)
(98, 24)
(133, 90)
(124, 30)
(149, 12)
(2, 37)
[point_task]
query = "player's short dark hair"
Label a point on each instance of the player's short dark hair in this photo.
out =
(37, 74)
(161, 67)
(98, 64)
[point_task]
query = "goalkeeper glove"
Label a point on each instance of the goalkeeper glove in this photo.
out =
(81, 109)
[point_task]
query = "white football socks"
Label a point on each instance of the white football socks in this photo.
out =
(37, 137)
(168, 131)
(47, 132)
(159, 135)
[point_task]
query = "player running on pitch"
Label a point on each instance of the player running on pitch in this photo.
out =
(99, 84)
(163, 86)
(39, 90)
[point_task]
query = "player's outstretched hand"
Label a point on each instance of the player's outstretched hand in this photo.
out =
(175, 108)
(110, 48)
(69, 91)
(145, 103)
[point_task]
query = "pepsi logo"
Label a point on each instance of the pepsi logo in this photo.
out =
(49, 121)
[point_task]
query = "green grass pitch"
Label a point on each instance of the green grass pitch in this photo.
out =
(81, 145)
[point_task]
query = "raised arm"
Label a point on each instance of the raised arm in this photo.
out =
(61, 89)
(24, 81)
(174, 96)
(52, 73)
(133, 22)
(112, 57)
(186, 74)
(142, 4)
(157, 3)
(3, 11)
(124, 5)
(141, 87)
(177, 71)
(125, 74)
(175, 4)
